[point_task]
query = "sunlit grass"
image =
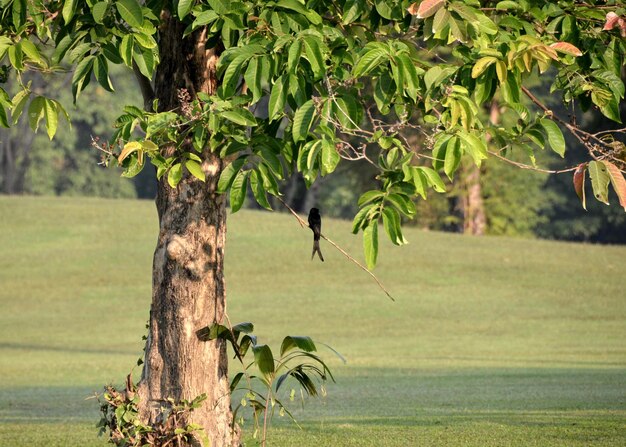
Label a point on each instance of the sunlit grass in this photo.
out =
(491, 341)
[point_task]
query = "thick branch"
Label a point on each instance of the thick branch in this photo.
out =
(147, 92)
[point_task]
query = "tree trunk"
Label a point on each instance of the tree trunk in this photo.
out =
(474, 216)
(188, 271)
(474, 221)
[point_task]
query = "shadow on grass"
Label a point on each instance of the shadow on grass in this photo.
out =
(65, 349)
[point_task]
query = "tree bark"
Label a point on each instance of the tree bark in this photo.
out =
(474, 220)
(474, 216)
(188, 271)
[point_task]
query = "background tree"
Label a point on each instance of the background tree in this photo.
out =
(238, 94)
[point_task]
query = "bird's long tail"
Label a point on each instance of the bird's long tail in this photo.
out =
(316, 248)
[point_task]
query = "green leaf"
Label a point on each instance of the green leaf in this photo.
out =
(555, 136)
(231, 75)
(599, 180)
(145, 41)
(36, 112)
(69, 9)
(134, 168)
(52, 117)
(384, 92)
(313, 54)
(506, 5)
(19, 11)
(228, 174)
(410, 76)
(126, 49)
(433, 178)
(402, 203)
(352, 9)
(16, 56)
(184, 6)
(98, 11)
(362, 217)
(82, 74)
(482, 64)
(101, 70)
(370, 60)
(238, 191)
(370, 244)
(391, 222)
(252, 76)
(270, 159)
(256, 183)
(145, 62)
(440, 21)
(196, 169)
(4, 122)
(130, 10)
(264, 360)
(302, 120)
(5, 43)
(303, 343)
(31, 51)
(330, 157)
(19, 101)
(243, 117)
(293, 55)
(346, 111)
(453, 157)
(298, 7)
(369, 196)
(439, 150)
(475, 146)
(175, 175)
(278, 98)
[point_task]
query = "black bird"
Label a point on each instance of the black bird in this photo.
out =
(315, 223)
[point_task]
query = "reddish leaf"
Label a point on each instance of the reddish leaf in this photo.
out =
(618, 182)
(579, 182)
(611, 20)
(567, 48)
(429, 7)
(413, 9)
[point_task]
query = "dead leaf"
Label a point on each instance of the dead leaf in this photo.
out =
(429, 7)
(567, 48)
(611, 20)
(618, 182)
(579, 183)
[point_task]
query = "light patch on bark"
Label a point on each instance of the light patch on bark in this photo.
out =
(189, 332)
(178, 249)
(210, 167)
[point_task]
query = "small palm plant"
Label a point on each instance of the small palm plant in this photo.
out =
(264, 374)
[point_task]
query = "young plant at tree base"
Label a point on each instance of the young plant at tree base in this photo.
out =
(238, 95)
(121, 418)
(263, 376)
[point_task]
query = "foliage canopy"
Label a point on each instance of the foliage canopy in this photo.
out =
(305, 84)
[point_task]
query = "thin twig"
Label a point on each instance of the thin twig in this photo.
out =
(531, 168)
(303, 223)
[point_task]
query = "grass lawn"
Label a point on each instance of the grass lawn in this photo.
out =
(491, 342)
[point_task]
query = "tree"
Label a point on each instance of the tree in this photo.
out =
(239, 93)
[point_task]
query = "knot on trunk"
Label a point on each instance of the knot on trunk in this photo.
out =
(179, 250)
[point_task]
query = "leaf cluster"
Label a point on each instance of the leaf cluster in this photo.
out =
(265, 373)
(306, 84)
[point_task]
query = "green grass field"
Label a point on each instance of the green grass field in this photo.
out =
(491, 342)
